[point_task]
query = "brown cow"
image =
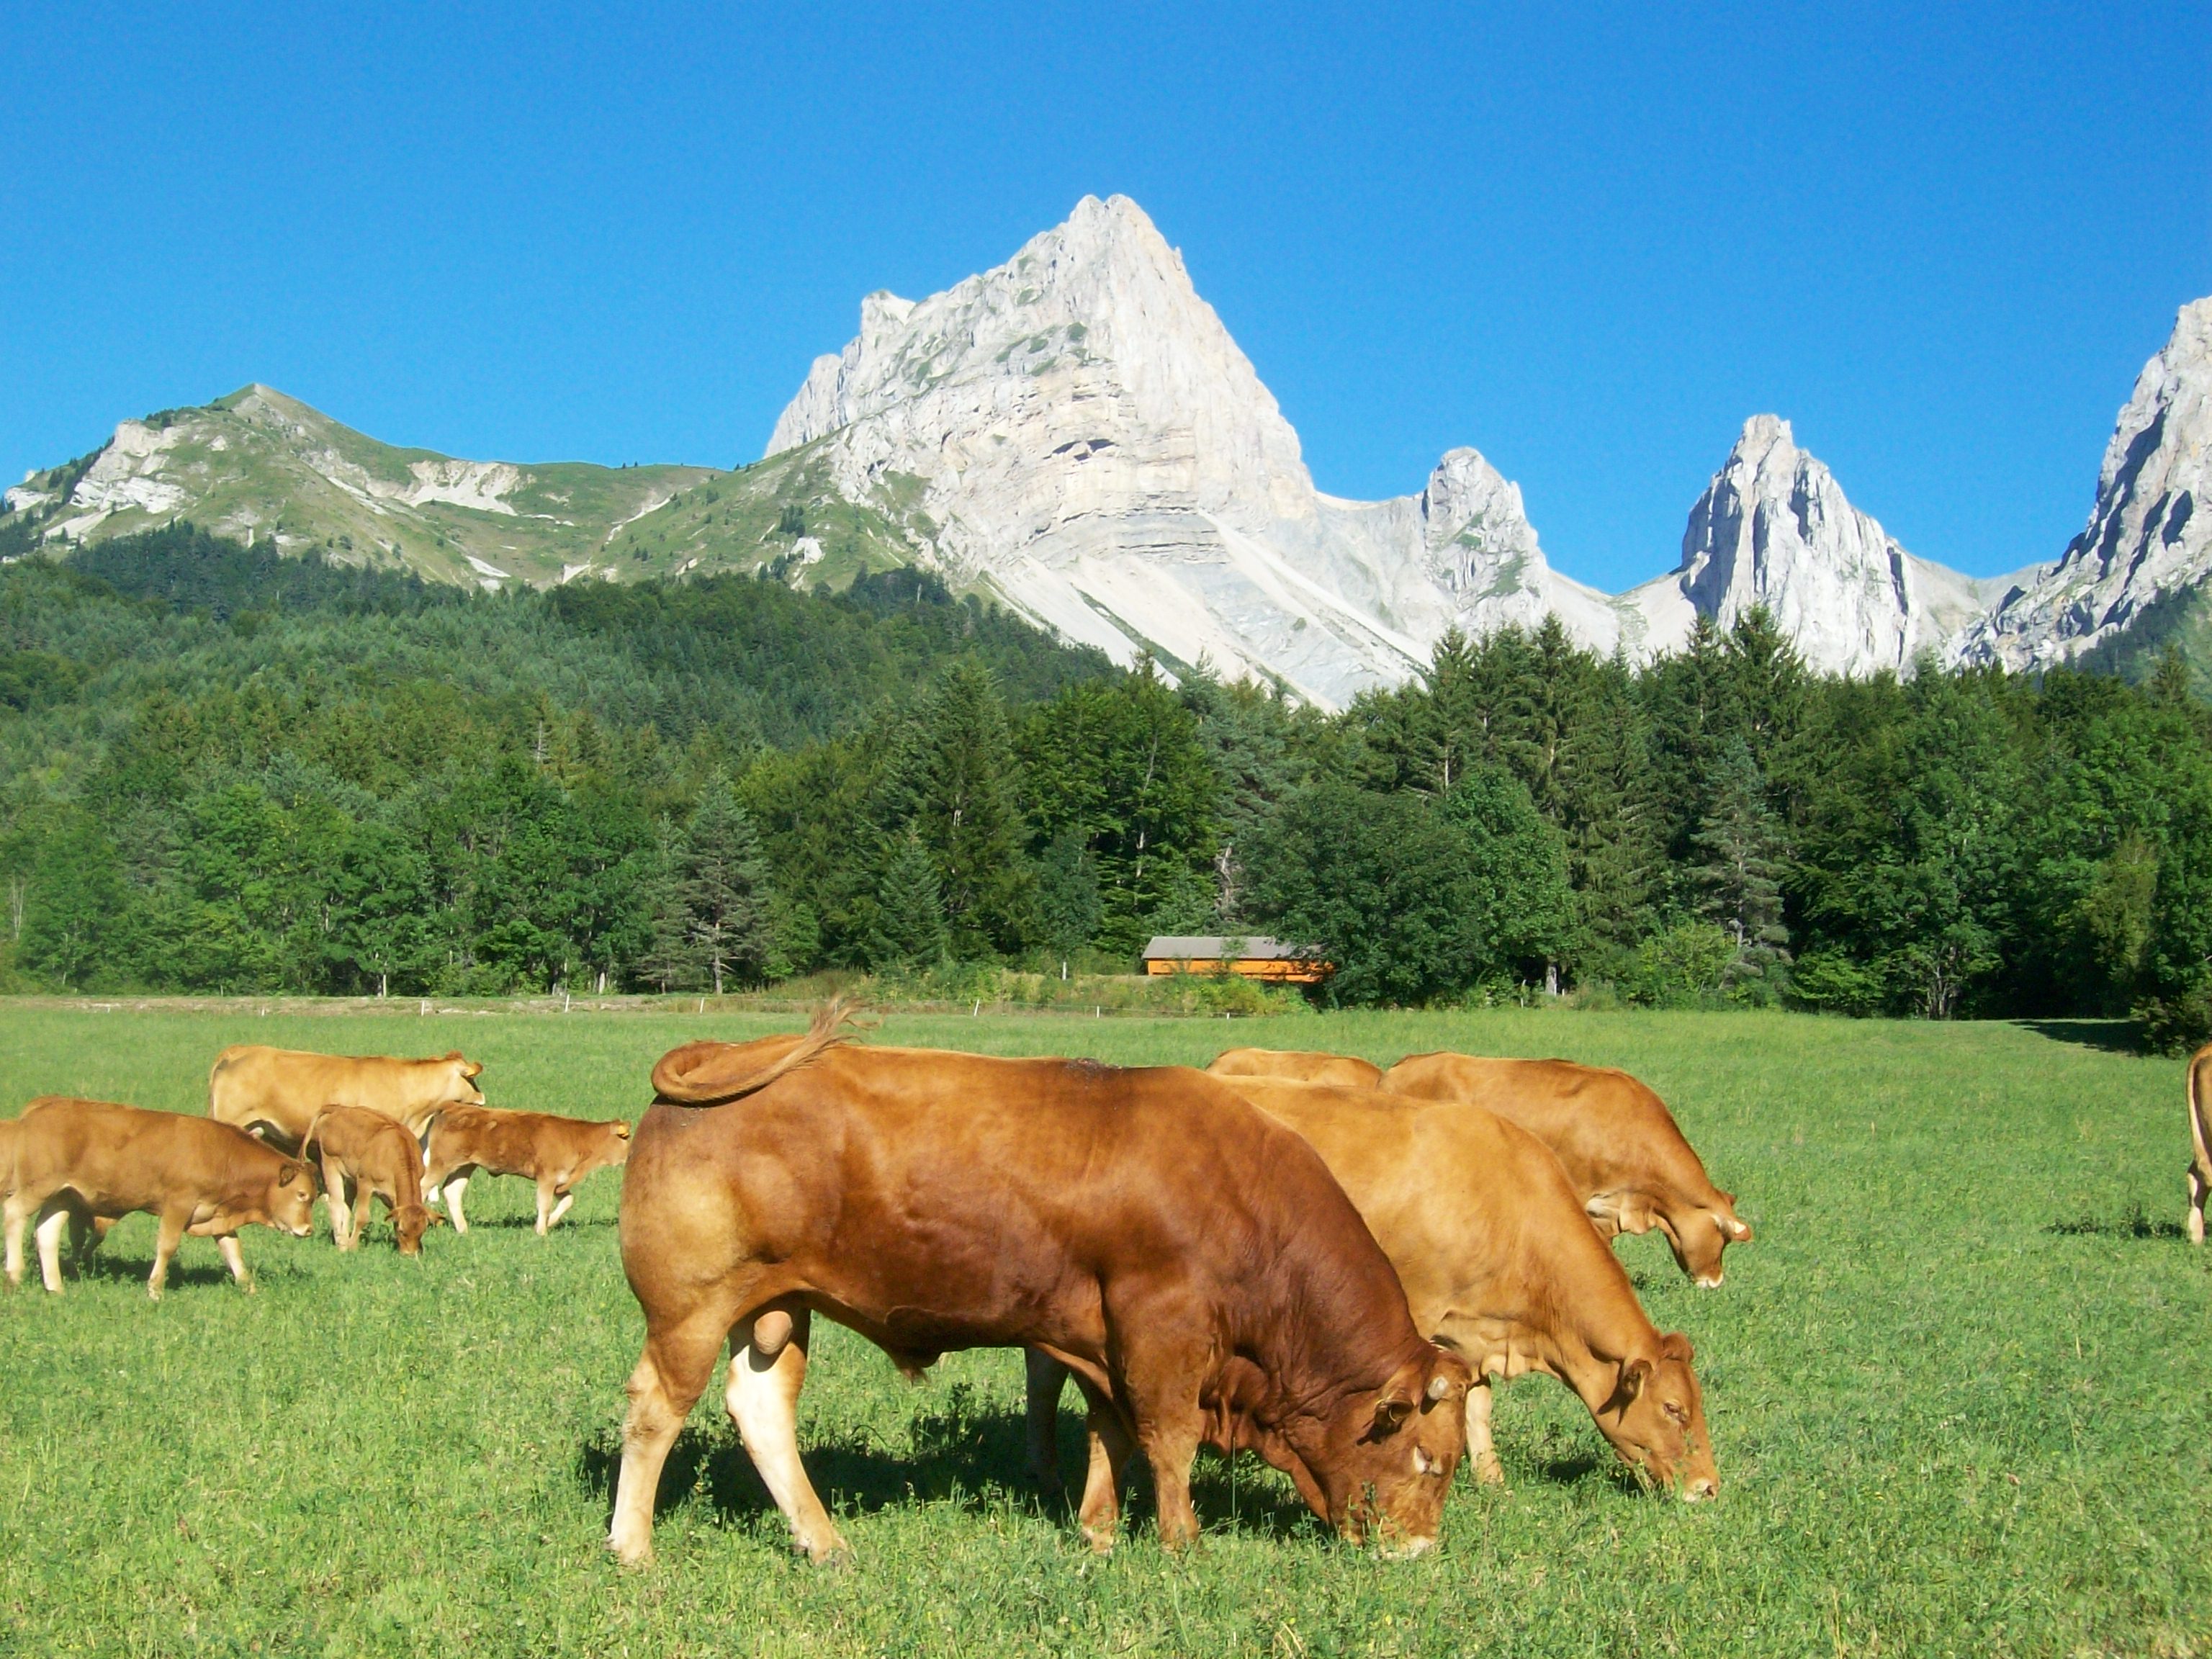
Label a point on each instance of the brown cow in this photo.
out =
(1298, 1066)
(1616, 1139)
(555, 1152)
(281, 1090)
(89, 1160)
(1190, 1260)
(1488, 1238)
(379, 1159)
(2199, 1087)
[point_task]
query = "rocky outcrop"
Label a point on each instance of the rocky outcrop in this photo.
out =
(1089, 443)
(2150, 534)
(1774, 529)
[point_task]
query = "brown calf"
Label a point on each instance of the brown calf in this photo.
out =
(1191, 1261)
(555, 1152)
(375, 1157)
(88, 1162)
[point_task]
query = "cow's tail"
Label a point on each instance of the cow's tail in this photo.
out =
(709, 1073)
(314, 1124)
(2200, 1057)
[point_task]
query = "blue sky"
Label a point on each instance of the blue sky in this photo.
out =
(1942, 240)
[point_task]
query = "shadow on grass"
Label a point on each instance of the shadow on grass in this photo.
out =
(2134, 1224)
(2117, 1036)
(107, 1268)
(974, 1456)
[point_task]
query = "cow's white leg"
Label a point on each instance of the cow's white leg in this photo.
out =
(334, 1199)
(2196, 1195)
(50, 1247)
(235, 1259)
(1048, 1378)
(171, 1234)
(559, 1210)
(1482, 1452)
(766, 1374)
(454, 1189)
(361, 1202)
(16, 1215)
(671, 1373)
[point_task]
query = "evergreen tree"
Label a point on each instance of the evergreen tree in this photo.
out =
(724, 885)
(909, 924)
(1067, 895)
(667, 962)
(1737, 872)
(954, 785)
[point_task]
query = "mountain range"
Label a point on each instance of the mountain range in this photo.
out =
(1075, 435)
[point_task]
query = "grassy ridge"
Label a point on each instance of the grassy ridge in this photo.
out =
(1955, 1389)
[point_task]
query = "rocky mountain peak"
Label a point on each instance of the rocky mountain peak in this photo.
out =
(2149, 532)
(1774, 528)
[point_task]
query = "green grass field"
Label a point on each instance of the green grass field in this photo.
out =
(1957, 1387)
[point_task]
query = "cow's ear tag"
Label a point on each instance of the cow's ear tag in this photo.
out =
(1439, 1386)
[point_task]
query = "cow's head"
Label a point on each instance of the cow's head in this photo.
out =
(465, 1073)
(1655, 1420)
(1388, 1462)
(1698, 1234)
(291, 1200)
(409, 1222)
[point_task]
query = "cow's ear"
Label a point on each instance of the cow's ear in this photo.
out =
(474, 1068)
(286, 1170)
(621, 1129)
(1633, 1376)
(1675, 1346)
(1400, 1395)
(1737, 1230)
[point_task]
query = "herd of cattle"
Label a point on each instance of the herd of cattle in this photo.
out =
(1298, 1255)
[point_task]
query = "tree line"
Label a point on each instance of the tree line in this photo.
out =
(229, 771)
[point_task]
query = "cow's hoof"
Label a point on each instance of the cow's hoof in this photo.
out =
(837, 1555)
(1100, 1539)
(1488, 1471)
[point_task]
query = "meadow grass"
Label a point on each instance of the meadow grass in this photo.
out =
(1957, 1389)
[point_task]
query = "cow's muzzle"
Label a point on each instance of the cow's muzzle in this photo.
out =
(1407, 1549)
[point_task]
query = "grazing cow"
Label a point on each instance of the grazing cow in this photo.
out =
(1618, 1142)
(1298, 1066)
(555, 1152)
(1190, 1260)
(2200, 1137)
(375, 1157)
(1488, 1238)
(281, 1090)
(88, 1161)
